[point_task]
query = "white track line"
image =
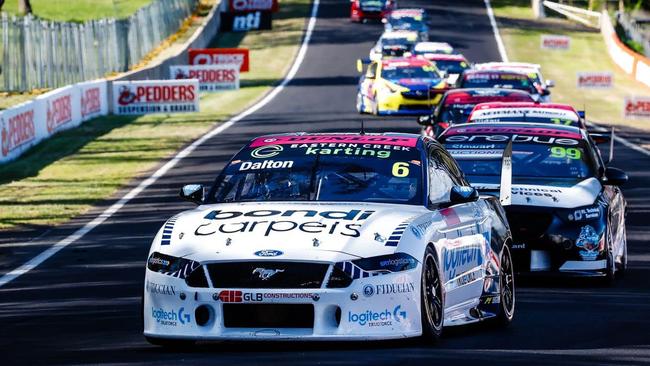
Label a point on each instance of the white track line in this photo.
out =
(43, 256)
(495, 30)
(504, 58)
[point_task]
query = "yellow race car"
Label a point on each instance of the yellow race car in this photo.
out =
(399, 86)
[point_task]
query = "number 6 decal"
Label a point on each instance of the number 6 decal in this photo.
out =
(400, 169)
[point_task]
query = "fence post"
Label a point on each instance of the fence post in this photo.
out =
(538, 9)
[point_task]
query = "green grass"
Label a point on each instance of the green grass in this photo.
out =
(521, 35)
(64, 176)
(79, 10)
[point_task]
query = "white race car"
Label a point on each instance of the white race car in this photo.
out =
(330, 237)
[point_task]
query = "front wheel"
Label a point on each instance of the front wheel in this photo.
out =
(506, 290)
(432, 298)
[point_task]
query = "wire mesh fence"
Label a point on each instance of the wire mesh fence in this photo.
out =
(40, 54)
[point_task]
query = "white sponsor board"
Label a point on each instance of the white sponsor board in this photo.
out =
(211, 77)
(93, 99)
(636, 107)
(643, 72)
(595, 80)
(555, 42)
(156, 96)
(18, 130)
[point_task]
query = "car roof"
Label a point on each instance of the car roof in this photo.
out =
(514, 105)
(518, 128)
(389, 138)
(432, 46)
(520, 65)
(495, 72)
(407, 12)
(444, 57)
(486, 91)
(397, 34)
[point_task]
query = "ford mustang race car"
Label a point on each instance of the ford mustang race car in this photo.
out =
(534, 72)
(555, 113)
(457, 104)
(330, 237)
(363, 10)
(408, 19)
(500, 79)
(393, 44)
(568, 213)
(405, 86)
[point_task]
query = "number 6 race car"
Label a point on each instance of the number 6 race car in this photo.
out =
(330, 237)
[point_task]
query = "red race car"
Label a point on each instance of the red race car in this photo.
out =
(363, 10)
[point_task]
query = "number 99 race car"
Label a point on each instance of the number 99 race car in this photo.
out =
(330, 237)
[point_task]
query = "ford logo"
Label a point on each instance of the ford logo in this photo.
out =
(268, 253)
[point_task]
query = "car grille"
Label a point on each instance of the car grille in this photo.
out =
(267, 274)
(268, 315)
(528, 226)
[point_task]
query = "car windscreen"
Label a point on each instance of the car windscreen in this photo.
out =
(406, 23)
(451, 66)
(498, 80)
(372, 4)
(534, 115)
(537, 157)
(457, 108)
(403, 42)
(533, 119)
(409, 72)
(324, 168)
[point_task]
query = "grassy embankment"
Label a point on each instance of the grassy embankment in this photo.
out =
(64, 176)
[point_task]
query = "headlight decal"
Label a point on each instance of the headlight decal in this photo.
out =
(167, 231)
(171, 266)
(375, 266)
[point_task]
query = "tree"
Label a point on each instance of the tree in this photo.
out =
(24, 6)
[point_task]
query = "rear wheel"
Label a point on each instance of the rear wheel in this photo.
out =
(432, 298)
(506, 289)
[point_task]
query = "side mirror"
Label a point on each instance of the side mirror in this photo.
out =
(359, 65)
(462, 194)
(424, 120)
(193, 193)
(615, 177)
(582, 114)
(600, 138)
(550, 83)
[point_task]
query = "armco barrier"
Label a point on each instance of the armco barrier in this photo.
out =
(27, 124)
(629, 61)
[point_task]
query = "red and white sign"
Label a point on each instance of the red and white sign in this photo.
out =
(211, 77)
(217, 56)
(636, 107)
(595, 80)
(554, 42)
(18, 130)
(253, 5)
(156, 96)
(93, 99)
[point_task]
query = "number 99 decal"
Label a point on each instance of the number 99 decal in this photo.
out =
(564, 152)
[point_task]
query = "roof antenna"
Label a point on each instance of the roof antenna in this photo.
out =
(363, 130)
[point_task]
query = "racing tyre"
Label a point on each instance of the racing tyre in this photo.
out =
(506, 290)
(622, 267)
(610, 274)
(432, 298)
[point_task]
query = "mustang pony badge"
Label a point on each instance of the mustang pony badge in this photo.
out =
(265, 274)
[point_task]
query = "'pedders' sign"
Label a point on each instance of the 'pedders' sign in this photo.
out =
(636, 107)
(17, 128)
(59, 111)
(156, 96)
(253, 5)
(211, 77)
(219, 56)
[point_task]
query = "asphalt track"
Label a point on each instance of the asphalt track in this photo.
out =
(82, 305)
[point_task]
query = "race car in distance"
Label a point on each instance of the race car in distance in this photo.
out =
(406, 86)
(555, 113)
(393, 44)
(567, 213)
(330, 237)
(453, 65)
(433, 47)
(364, 10)
(499, 79)
(457, 104)
(408, 19)
(534, 72)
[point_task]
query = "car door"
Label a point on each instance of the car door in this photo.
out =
(464, 246)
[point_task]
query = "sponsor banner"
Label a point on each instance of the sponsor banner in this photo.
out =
(246, 21)
(555, 42)
(60, 109)
(253, 5)
(389, 289)
(171, 317)
(378, 318)
(333, 138)
(18, 130)
(93, 99)
(595, 80)
(217, 56)
(636, 107)
(156, 96)
(236, 296)
(211, 77)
